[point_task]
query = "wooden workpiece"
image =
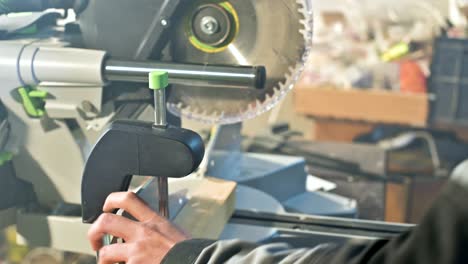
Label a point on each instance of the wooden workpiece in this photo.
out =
(209, 204)
(209, 209)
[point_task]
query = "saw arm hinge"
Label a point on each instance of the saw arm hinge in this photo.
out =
(33, 101)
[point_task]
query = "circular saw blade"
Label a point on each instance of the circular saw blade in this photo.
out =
(276, 34)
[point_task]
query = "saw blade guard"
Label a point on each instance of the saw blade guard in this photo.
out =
(275, 34)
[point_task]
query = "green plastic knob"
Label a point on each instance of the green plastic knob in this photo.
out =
(158, 80)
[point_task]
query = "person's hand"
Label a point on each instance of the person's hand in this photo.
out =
(147, 240)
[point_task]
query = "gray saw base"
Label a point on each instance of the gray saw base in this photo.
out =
(283, 178)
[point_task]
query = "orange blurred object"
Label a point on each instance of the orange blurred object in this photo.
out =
(412, 78)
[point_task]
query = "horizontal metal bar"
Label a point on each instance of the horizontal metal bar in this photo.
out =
(320, 224)
(188, 74)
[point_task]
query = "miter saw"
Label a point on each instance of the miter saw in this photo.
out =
(227, 61)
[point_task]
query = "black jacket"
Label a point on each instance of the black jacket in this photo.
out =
(441, 238)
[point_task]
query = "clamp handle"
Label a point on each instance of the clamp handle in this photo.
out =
(130, 148)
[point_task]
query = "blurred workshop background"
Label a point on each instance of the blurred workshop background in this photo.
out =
(383, 92)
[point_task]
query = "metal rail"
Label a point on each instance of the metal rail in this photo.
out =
(188, 74)
(310, 225)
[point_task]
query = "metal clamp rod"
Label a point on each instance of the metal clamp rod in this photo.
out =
(158, 82)
(188, 74)
(160, 107)
(163, 190)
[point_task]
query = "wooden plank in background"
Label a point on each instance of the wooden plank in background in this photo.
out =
(363, 105)
(408, 202)
(338, 131)
(396, 202)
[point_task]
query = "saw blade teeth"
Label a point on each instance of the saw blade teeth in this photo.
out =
(222, 114)
(271, 100)
(307, 20)
(215, 114)
(190, 111)
(300, 2)
(302, 7)
(282, 84)
(303, 22)
(205, 113)
(292, 69)
(279, 92)
(258, 104)
(250, 108)
(289, 61)
(198, 111)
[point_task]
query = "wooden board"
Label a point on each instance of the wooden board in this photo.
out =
(209, 209)
(339, 131)
(373, 106)
(396, 202)
(423, 194)
(408, 201)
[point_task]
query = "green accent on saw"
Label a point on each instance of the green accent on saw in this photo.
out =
(5, 157)
(223, 46)
(38, 94)
(158, 80)
(395, 52)
(29, 30)
(33, 101)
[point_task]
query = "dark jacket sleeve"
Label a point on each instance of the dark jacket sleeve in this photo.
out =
(186, 252)
(239, 252)
(441, 238)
